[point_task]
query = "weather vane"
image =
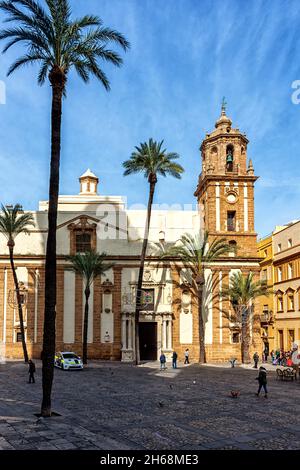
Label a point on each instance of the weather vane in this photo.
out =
(224, 103)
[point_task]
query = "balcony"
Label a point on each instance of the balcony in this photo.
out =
(266, 317)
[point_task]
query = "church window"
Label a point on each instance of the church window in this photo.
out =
(235, 337)
(19, 337)
(231, 220)
(83, 242)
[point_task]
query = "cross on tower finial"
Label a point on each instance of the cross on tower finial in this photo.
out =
(224, 104)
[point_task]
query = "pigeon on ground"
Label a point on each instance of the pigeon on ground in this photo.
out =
(161, 404)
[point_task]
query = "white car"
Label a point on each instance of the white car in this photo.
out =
(67, 361)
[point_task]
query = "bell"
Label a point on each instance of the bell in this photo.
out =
(229, 158)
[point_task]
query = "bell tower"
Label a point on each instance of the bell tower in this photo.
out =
(225, 190)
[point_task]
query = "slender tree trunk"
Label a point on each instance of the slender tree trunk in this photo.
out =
(202, 355)
(152, 181)
(245, 336)
(57, 80)
(11, 257)
(85, 325)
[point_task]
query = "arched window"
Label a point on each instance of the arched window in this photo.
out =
(233, 248)
(229, 157)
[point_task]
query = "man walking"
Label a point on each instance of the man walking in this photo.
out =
(31, 371)
(262, 381)
(174, 360)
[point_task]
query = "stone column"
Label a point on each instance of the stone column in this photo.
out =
(130, 333)
(124, 345)
(164, 334)
(169, 345)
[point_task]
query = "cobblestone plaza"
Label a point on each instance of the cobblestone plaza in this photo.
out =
(114, 406)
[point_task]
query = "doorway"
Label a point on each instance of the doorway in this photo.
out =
(148, 341)
(281, 342)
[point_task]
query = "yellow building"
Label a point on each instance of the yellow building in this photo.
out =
(286, 263)
(280, 267)
(266, 304)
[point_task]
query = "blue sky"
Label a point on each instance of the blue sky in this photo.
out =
(185, 55)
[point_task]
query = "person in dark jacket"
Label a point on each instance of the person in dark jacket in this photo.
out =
(174, 360)
(162, 360)
(262, 381)
(255, 359)
(31, 371)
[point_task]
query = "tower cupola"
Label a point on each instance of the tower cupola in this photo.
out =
(88, 183)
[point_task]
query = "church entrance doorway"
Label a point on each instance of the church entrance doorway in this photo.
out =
(148, 341)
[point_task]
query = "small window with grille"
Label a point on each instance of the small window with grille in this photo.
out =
(83, 242)
(19, 337)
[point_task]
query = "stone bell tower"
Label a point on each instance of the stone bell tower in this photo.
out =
(225, 194)
(225, 189)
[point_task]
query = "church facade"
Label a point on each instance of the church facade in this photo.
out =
(169, 319)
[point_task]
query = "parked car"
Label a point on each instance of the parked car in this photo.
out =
(67, 360)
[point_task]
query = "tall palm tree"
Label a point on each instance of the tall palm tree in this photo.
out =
(13, 222)
(195, 253)
(89, 265)
(242, 292)
(151, 159)
(57, 44)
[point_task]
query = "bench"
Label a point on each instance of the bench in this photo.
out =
(286, 374)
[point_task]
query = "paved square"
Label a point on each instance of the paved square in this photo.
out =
(113, 406)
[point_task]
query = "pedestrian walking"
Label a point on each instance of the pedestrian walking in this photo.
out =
(162, 361)
(174, 360)
(255, 359)
(31, 371)
(262, 381)
(187, 356)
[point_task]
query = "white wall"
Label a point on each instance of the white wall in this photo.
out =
(69, 307)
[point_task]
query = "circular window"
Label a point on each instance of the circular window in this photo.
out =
(231, 198)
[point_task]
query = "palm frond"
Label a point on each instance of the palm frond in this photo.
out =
(150, 159)
(89, 265)
(14, 221)
(52, 39)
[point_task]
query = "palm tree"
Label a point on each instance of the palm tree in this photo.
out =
(89, 265)
(57, 44)
(152, 160)
(13, 222)
(195, 253)
(242, 292)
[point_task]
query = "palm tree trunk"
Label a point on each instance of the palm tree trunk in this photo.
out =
(85, 325)
(11, 257)
(202, 355)
(57, 81)
(245, 336)
(141, 270)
